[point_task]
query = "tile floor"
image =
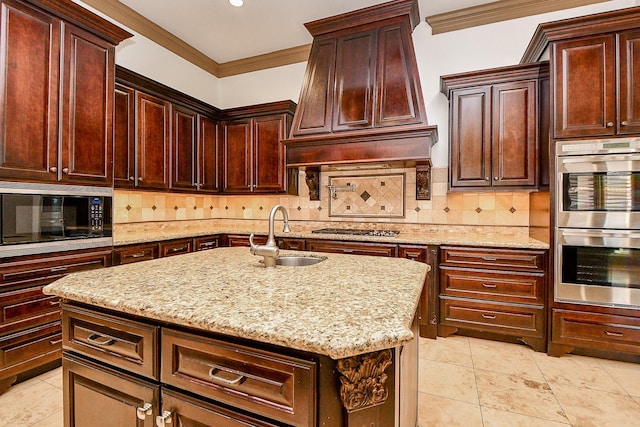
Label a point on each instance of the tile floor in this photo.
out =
(463, 382)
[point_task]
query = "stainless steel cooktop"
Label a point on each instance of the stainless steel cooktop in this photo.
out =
(357, 232)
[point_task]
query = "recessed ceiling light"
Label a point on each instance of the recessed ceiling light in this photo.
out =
(236, 3)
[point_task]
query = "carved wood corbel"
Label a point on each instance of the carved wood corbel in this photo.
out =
(423, 181)
(312, 178)
(363, 380)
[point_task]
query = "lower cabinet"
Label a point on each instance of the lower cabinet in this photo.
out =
(494, 293)
(30, 333)
(127, 254)
(428, 309)
(353, 248)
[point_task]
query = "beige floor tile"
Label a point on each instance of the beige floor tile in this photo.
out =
(497, 418)
(518, 394)
(53, 377)
(453, 350)
(595, 408)
(505, 358)
(448, 380)
(54, 420)
(436, 411)
(577, 371)
(625, 374)
(30, 404)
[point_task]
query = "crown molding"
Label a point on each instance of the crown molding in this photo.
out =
(497, 11)
(138, 23)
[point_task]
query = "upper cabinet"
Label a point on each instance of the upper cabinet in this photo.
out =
(164, 140)
(57, 99)
(253, 155)
(361, 99)
(496, 127)
(595, 60)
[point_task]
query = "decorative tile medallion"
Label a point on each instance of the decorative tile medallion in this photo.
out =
(380, 196)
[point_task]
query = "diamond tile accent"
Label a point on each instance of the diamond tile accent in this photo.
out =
(299, 208)
(417, 209)
(478, 210)
(512, 210)
(175, 208)
(153, 207)
(446, 209)
(226, 208)
(243, 208)
(211, 207)
(195, 208)
(128, 207)
(365, 196)
(261, 208)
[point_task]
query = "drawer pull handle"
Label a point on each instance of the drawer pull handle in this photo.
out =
(100, 340)
(489, 258)
(162, 420)
(57, 269)
(55, 342)
(489, 285)
(613, 334)
(488, 316)
(234, 381)
(142, 412)
(138, 255)
(55, 302)
(180, 249)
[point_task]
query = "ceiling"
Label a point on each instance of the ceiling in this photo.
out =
(226, 40)
(226, 33)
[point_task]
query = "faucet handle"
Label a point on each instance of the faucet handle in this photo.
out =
(252, 246)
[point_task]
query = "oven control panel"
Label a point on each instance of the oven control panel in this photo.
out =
(598, 146)
(96, 215)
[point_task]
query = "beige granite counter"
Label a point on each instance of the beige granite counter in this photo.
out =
(341, 307)
(505, 237)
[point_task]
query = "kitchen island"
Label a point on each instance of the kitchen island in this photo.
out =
(214, 336)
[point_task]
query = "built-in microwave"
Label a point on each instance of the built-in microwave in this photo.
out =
(41, 218)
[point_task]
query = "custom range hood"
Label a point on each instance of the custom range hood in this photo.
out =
(361, 100)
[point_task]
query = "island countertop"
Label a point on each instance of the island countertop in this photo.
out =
(341, 307)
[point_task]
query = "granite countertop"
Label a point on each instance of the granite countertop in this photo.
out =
(433, 236)
(341, 307)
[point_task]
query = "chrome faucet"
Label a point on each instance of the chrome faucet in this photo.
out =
(270, 250)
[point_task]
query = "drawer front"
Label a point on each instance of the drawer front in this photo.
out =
(187, 411)
(24, 271)
(122, 343)
(500, 259)
(506, 319)
(494, 286)
(292, 244)
(129, 254)
(176, 247)
(26, 308)
(276, 386)
(236, 240)
(354, 248)
(206, 243)
(30, 348)
(595, 330)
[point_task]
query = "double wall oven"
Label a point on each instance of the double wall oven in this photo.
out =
(597, 232)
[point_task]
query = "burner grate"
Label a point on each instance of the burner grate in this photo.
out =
(357, 232)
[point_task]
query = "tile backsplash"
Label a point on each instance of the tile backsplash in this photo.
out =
(370, 196)
(500, 209)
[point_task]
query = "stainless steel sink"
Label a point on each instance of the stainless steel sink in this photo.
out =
(298, 260)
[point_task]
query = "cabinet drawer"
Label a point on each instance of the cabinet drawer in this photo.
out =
(276, 386)
(30, 348)
(491, 317)
(604, 331)
(176, 247)
(499, 259)
(25, 308)
(206, 243)
(187, 411)
(355, 248)
(123, 343)
(491, 285)
(129, 254)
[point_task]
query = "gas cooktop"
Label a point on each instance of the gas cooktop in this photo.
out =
(357, 232)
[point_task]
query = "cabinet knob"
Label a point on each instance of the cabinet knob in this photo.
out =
(53, 169)
(495, 178)
(624, 123)
(486, 178)
(131, 178)
(609, 124)
(142, 412)
(140, 179)
(65, 170)
(164, 419)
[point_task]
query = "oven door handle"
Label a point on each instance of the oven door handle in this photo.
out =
(598, 237)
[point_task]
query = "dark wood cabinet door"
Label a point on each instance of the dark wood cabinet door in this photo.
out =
(236, 149)
(101, 397)
(355, 76)
(153, 134)
(124, 137)
(629, 89)
(514, 134)
(268, 153)
(29, 72)
(470, 115)
(314, 116)
(208, 155)
(585, 87)
(87, 108)
(398, 94)
(183, 148)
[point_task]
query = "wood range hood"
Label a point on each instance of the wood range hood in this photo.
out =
(361, 100)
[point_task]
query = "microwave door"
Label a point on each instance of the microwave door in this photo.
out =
(51, 224)
(20, 218)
